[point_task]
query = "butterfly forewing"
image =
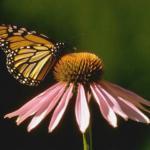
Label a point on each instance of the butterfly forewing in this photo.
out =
(29, 55)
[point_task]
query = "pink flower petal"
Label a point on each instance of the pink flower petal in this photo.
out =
(31, 103)
(130, 96)
(132, 111)
(112, 100)
(60, 109)
(104, 106)
(35, 104)
(128, 105)
(81, 109)
(46, 99)
(45, 110)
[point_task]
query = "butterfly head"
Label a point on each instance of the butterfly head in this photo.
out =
(59, 48)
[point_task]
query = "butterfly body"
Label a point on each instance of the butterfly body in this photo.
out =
(29, 56)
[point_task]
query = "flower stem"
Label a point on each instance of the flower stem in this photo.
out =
(85, 144)
(90, 137)
(87, 139)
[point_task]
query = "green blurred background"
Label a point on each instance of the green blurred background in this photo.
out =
(117, 31)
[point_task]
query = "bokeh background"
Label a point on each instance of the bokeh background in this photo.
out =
(117, 31)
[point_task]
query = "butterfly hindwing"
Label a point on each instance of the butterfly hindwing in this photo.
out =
(29, 65)
(29, 55)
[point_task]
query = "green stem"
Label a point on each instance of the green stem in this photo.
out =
(90, 137)
(85, 144)
(87, 139)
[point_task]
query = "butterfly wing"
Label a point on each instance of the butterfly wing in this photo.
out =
(7, 31)
(29, 55)
(13, 37)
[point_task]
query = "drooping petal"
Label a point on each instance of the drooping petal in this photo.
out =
(112, 100)
(45, 110)
(128, 95)
(128, 105)
(60, 109)
(133, 112)
(35, 104)
(31, 103)
(81, 109)
(46, 99)
(104, 106)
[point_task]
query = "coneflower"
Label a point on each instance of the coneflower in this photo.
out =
(81, 74)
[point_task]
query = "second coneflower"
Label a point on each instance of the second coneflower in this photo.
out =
(81, 74)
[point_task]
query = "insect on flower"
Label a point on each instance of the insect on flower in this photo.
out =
(81, 74)
(29, 55)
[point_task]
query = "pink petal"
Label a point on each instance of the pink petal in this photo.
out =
(112, 100)
(104, 106)
(46, 99)
(60, 109)
(131, 96)
(36, 103)
(31, 103)
(132, 111)
(81, 109)
(45, 110)
(128, 105)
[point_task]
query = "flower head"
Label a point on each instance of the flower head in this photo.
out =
(81, 74)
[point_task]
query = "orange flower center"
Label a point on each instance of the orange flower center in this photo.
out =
(79, 67)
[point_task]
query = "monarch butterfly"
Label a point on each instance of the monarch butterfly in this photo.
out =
(29, 56)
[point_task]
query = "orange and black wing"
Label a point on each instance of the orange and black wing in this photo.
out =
(29, 55)
(7, 31)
